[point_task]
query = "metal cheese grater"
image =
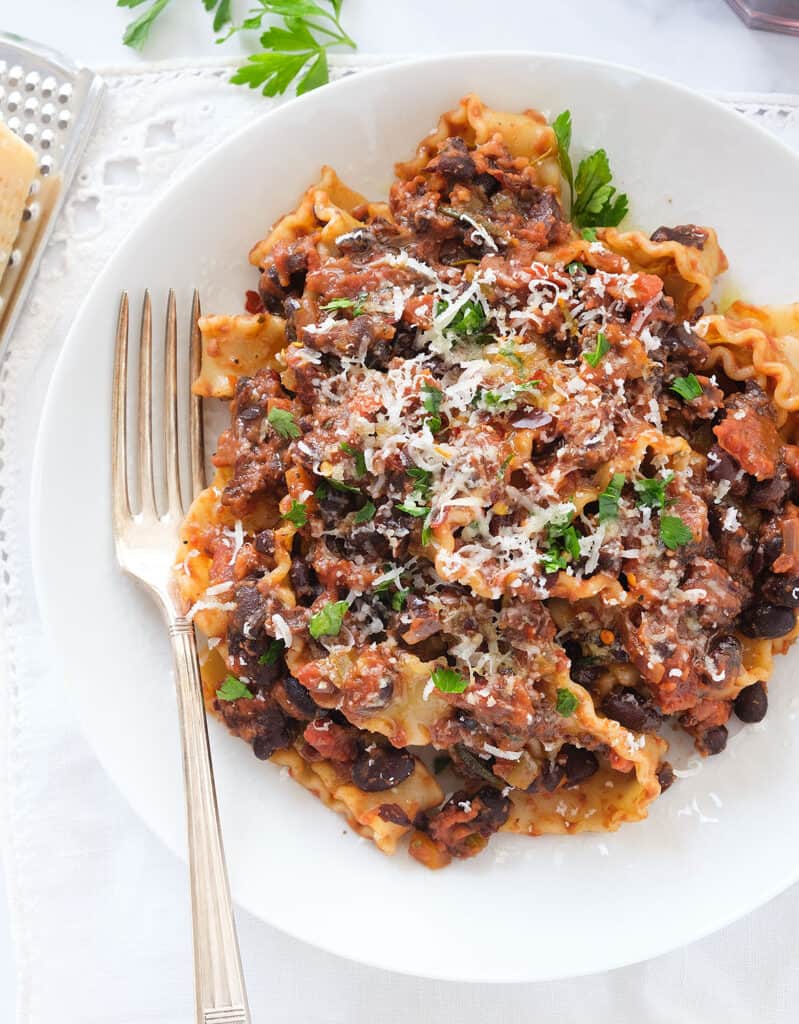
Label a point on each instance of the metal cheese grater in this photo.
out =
(52, 103)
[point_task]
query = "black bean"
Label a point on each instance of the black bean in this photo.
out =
(360, 240)
(767, 621)
(265, 542)
(551, 776)
(586, 671)
(725, 652)
(304, 581)
(770, 495)
(393, 814)
(299, 697)
(751, 704)
(681, 344)
(368, 543)
(272, 733)
(335, 505)
(714, 740)
(632, 710)
(579, 764)
(685, 234)
(488, 183)
(495, 810)
(781, 589)
(379, 768)
(456, 162)
(722, 466)
(665, 775)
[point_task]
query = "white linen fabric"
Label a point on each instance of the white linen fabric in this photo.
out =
(99, 907)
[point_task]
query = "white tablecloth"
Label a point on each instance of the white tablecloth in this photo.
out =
(99, 908)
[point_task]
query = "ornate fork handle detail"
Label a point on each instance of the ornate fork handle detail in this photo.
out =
(219, 981)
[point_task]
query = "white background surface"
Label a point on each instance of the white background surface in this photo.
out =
(698, 42)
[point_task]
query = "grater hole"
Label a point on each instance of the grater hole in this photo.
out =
(49, 86)
(31, 106)
(14, 100)
(64, 117)
(15, 74)
(29, 132)
(47, 113)
(64, 93)
(47, 138)
(32, 79)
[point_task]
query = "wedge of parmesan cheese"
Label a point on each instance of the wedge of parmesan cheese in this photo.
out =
(17, 171)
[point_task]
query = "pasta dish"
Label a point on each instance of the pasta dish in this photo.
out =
(503, 500)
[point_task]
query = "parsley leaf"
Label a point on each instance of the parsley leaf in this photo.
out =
(297, 514)
(363, 515)
(292, 47)
(409, 507)
(468, 321)
(431, 403)
(448, 681)
(609, 498)
(566, 703)
(427, 528)
(575, 267)
(272, 653)
(589, 234)
(398, 599)
(686, 387)
(327, 621)
(283, 422)
(339, 485)
(356, 305)
(137, 31)
(360, 458)
(233, 689)
(594, 201)
(563, 544)
(652, 491)
(600, 350)
(562, 127)
(674, 533)
(423, 480)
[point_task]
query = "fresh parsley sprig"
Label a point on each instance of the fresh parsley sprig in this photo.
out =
(594, 201)
(297, 47)
(138, 31)
(300, 44)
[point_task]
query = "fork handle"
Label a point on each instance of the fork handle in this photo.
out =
(220, 994)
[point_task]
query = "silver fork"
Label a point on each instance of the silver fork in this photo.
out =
(146, 543)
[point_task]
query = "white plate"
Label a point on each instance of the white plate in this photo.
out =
(719, 844)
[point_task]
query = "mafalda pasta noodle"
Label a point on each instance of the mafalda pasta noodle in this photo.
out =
(499, 498)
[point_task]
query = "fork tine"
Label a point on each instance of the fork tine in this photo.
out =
(119, 471)
(197, 435)
(171, 458)
(146, 485)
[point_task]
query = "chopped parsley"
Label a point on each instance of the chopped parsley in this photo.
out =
(431, 403)
(651, 491)
(398, 599)
(507, 351)
(233, 689)
(600, 350)
(575, 267)
(687, 388)
(356, 305)
(409, 507)
(339, 485)
(594, 201)
(589, 234)
(327, 621)
(283, 422)
(422, 478)
(674, 533)
(563, 544)
(609, 498)
(363, 515)
(427, 528)
(360, 458)
(272, 653)
(297, 514)
(505, 463)
(566, 703)
(448, 681)
(468, 321)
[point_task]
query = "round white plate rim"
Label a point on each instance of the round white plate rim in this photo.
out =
(646, 949)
